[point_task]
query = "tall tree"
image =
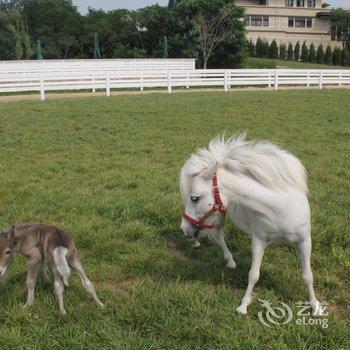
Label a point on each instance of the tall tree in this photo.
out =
(312, 54)
(283, 51)
(320, 55)
(341, 25)
(328, 55)
(290, 52)
(304, 53)
(212, 23)
(297, 51)
(273, 49)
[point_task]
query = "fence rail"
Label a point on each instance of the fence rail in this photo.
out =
(95, 66)
(171, 79)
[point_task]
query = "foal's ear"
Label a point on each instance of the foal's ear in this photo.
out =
(208, 173)
(11, 231)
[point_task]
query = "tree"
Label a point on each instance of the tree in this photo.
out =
(212, 23)
(290, 52)
(304, 53)
(320, 55)
(251, 48)
(283, 51)
(346, 56)
(337, 56)
(259, 48)
(341, 26)
(273, 49)
(328, 55)
(297, 51)
(312, 54)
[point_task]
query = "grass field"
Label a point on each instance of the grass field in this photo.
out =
(107, 171)
(255, 62)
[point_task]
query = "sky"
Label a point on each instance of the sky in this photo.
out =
(135, 4)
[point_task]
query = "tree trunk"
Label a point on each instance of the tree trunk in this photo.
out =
(205, 62)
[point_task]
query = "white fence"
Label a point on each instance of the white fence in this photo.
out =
(95, 66)
(171, 79)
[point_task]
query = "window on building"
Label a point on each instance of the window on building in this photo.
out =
(300, 3)
(299, 22)
(311, 3)
(256, 21)
(291, 22)
(289, 3)
(263, 2)
(309, 22)
(266, 21)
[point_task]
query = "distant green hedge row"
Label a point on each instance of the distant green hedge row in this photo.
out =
(263, 49)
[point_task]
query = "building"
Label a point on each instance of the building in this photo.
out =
(288, 21)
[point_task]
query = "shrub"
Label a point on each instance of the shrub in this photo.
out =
(312, 54)
(320, 55)
(283, 51)
(346, 56)
(328, 55)
(251, 48)
(337, 56)
(290, 52)
(259, 50)
(266, 48)
(304, 53)
(297, 51)
(273, 49)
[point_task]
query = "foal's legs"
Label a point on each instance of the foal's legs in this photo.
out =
(76, 264)
(43, 272)
(195, 243)
(258, 248)
(33, 269)
(218, 236)
(58, 287)
(305, 254)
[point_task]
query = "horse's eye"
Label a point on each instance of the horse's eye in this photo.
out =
(194, 199)
(8, 252)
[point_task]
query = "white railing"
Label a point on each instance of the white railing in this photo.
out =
(95, 66)
(171, 79)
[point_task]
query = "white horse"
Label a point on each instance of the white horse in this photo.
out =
(264, 191)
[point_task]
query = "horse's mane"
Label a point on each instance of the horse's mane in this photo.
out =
(262, 161)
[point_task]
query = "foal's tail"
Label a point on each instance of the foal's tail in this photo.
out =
(60, 258)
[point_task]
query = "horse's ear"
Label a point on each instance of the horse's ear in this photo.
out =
(211, 170)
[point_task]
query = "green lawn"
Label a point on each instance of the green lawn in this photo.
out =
(106, 169)
(254, 62)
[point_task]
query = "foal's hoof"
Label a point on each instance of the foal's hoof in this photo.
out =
(231, 264)
(317, 309)
(195, 243)
(63, 312)
(242, 310)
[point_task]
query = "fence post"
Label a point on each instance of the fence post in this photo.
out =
(188, 81)
(308, 79)
(270, 78)
(42, 88)
(320, 81)
(93, 85)
(141, 78)
(340, 79)
(225, 80)
(169, 82)
(108, 87)
(276, 79)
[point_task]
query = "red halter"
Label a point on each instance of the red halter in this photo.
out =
(218, 206)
